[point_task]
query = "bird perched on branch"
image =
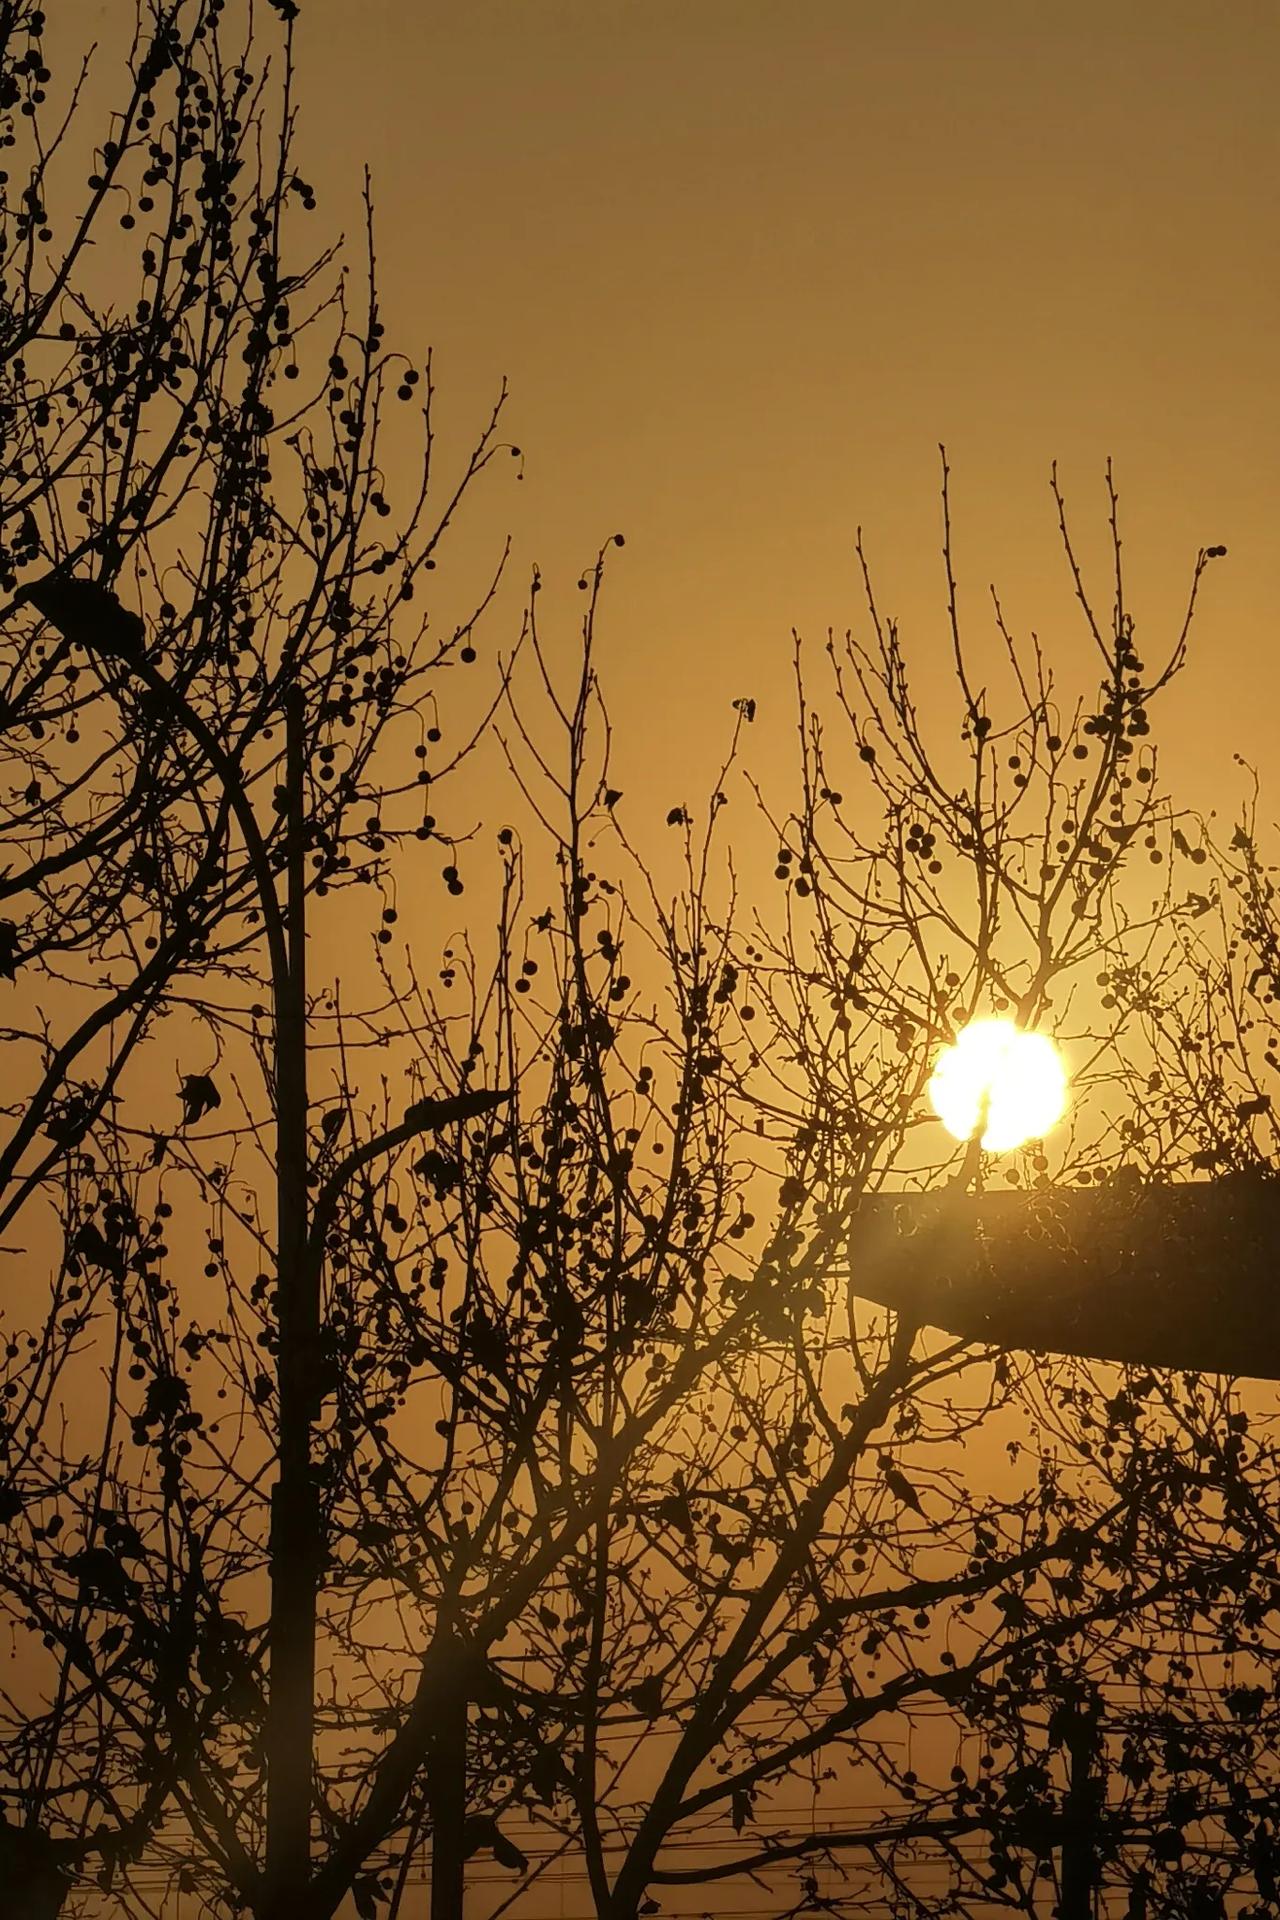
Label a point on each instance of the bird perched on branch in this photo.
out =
(899, 1485)
(88, 614)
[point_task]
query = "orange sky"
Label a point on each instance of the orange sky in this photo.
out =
(747, 262)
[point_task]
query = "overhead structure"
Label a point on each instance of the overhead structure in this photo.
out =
(1184, 1275)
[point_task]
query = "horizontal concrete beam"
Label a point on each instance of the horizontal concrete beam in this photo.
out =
(1170, 1276)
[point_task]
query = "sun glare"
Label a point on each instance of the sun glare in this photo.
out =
(1020, 1076)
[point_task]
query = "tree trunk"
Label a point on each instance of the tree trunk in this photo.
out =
(447, 1787)
(295, 1558)
(1080, 1814)
(33, 1883)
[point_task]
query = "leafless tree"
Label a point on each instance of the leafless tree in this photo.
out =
(495, 1432)
(810, 1562)
(264, 1526)
(208, 644)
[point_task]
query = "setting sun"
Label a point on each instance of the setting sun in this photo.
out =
(1020, 1076)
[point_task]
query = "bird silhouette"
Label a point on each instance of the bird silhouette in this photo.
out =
(901, 1488)
(88, 614)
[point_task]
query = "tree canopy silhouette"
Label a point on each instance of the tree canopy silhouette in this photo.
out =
(439, 1400)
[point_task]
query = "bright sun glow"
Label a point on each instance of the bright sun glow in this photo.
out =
(1021, 1075)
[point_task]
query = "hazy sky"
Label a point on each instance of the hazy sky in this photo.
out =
(746, 263)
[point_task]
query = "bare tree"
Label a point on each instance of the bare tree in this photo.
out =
(808, 1563)
(266, 1525)
(494, 1431)
(207, 641)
